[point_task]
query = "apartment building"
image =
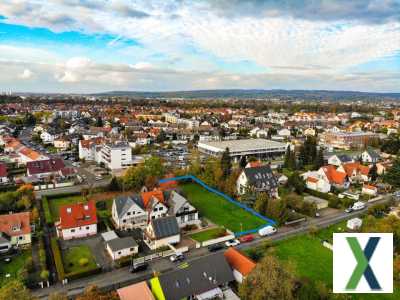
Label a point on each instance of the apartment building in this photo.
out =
(116, 156)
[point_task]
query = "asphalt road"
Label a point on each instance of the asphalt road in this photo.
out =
(122, 277)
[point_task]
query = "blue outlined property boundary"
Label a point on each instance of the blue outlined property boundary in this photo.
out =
(226, 197)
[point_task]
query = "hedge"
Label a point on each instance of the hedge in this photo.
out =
(80, 274)
(57, 258)
(334, 201)
(54, 196)
(47, 214)
(123, 262)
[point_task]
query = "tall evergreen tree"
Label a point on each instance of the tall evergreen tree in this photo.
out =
(392, 176)
(319, 160)
(226, 163)
(243, 162)
(373, 173)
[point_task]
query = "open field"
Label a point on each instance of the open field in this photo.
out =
(208, 234)
(72, 257)
(220, 211)
(314, 261)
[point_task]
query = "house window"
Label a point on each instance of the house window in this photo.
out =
(123, 221)
(87, 227)
(119, 252)
(182, 219)
(72, 230)
(153, 217)
(21, 237)
(155, 209)
(128, 213)
(131, 249)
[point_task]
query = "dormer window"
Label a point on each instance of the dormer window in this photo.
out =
(86, 207)
(69, 210)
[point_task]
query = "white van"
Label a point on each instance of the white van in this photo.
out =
(358, 205)
(267, 230)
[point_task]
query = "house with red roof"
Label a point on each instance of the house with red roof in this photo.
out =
(77, 221)
(369, 189)
(355, 171)
(240, 263)
(45, 168)
(3, 173)
(15, 230)
(336, 177)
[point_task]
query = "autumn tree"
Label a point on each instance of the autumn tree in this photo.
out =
(269, 280)
(92, 292)
(15, 289)
(226, 163)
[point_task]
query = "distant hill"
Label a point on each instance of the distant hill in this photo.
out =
(246, 94)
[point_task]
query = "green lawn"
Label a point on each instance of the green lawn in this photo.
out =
(314, 261)
(14, 267)
(56, 203)
(220, 211)
(208, 234)
(72, 256)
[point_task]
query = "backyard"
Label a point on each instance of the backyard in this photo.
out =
(56, 203)
(219, 210)
(14, 267)
(78, 259)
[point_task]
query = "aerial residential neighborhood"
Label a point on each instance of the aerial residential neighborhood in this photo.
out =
(199, 150)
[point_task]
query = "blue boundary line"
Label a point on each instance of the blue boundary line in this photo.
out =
(212, 190)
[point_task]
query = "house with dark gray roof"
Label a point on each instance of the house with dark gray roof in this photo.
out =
(162, 232)
(203, 278)
(258, 179)
(339, 159)
(185, 213)
(121, 247)
(128, 212)
(370, 156)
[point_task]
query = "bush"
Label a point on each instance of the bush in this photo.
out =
(47, 214)
(83, 262)
(79, 274)
(29, 265)
(123, 262)
(57, 258)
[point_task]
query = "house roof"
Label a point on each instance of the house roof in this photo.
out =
(355, 166)
(196, 277)
(344, 158)
(261, 177)
(122, 243)
(135, 291)
(123, 204)
(33, 155)
(45, 166)
(373, 154)
(152, 195)
(176, 201)
(238, 261)
(333, 175)
(19, 221)
(312, 179)
(76, 215)
(165, 227)
(3, 170)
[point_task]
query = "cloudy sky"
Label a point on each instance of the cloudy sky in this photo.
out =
(157, 45)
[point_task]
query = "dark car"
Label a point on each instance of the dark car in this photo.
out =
(216, 247)
(138, 267)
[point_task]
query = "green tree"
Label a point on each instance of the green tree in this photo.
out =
(226, 163)
(269, 280)
(114, 185)
(393, 174)
(373, 173)
(296, 183)
(260, 205)
(243, 162)
(319, 159)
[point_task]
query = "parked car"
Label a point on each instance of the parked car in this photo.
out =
(177, 257)
(267, 230)
(138, 267)
(232, 243)
(215, 247)
(358, 205)
(246, 238)
(348, 210)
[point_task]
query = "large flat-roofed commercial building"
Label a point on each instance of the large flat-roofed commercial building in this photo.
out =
(260, 148)
(347, 140)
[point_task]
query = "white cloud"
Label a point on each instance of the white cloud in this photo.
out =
(194, 38)
(26, 74)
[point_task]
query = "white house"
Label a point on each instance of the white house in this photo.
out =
(47, 137)
(61, 144)
(162, 232)
(284, 132)
(370, 190)
(370, 156)
(135, 211)
(317, 181)
(118, 247)
(240, 264)
(354, 224)
(185, 213)
(260, 179)
(77, 221)
(15, 230)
